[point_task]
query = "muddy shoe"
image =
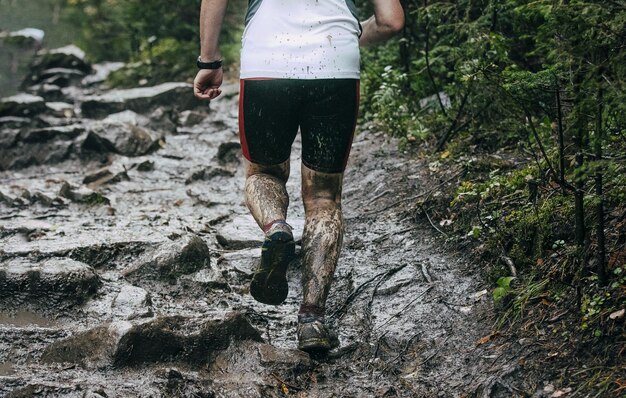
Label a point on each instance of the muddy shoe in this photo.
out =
(313, 335)
(269, 283)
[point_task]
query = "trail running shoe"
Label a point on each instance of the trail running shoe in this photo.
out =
(269, 283)
(313, 335)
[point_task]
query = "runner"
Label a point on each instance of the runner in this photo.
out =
(299, 70)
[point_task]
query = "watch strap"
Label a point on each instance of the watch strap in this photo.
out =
(208, 65)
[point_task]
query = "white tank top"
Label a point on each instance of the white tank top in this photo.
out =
(301, 39)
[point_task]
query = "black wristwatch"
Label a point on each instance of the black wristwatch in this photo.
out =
(208, 65)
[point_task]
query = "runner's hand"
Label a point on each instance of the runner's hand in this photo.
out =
(206, 85)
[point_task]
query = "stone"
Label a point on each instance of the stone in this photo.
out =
(132, 302)
(291, 359)
(229, 153)
(46, 134)
(183, 256)
(49, 92)
(61, 77)
(146, 165)
(162, 340)
(190, 118)
(24, 37)
(54, 281)
(22, 156)
(117, 137)
(101, 72)
(127, 117)
(209, 173)
(106, 175)
(60, 109)
(68, 57)
(12, 122)
(22, 105)
(142, 100)
(242, 232)
(82, 195)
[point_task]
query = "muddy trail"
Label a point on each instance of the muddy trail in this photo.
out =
(126, 252)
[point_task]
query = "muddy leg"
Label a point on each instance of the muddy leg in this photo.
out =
(323, 233)
(265, 192)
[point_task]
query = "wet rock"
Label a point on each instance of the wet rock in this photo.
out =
(229, 153)
(46, 134)
(25, 226)
(165, 339)
(146, 165)
(9, 137)
(53, 281)
(184, 256)
(142, 100)
(68, 57)
(209, 173)
(242, 232)
(91, 348)
(132, 302)
(163, 119)
(60, 109)
(190, 118)
(125, 139)
(101, 72)
(49, 92)
(107, 175)
(22, 156)
(290, 359)
(82, 195)
(22, 105)
(127, 117)
(27, 37)
(12, 122)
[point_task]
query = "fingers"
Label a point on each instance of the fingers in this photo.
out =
(206, 85)
(206, 94)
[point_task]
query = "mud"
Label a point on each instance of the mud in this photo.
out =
(173, 249)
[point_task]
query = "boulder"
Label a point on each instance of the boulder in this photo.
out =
(22, 105)
(118, 137)
(184, 256)
(142, 100)
(132, 302)
(68, 57)
(162, 340)
(54, 281)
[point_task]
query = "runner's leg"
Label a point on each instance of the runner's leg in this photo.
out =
(323, 233)
(265, 192)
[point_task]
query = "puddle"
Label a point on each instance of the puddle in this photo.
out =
(25, 318)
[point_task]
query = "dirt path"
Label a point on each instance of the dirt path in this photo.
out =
(108, 294)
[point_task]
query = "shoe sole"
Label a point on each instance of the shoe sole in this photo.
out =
(314, 346)
(269, 283)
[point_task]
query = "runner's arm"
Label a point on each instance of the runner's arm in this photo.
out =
(388, 19)
(207, 83)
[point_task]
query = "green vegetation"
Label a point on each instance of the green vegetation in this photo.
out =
(527, 99)
(158, 39)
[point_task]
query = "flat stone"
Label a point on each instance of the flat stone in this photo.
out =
(69, 57)
(162, 340)
(82, 195)
(242, 232)
(184, 256)
(60, 109)
(117, 137)
(291, 359)
(190, 118)
(53, 281)
(51, 133)
(22, 156)
(22, 105)
(141, 100)
(11, 122)
(132, 302)
(106, 175)
(101, 72)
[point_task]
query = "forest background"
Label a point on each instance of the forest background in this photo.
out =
(525, 100)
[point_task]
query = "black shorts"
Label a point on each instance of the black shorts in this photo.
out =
(325, 110)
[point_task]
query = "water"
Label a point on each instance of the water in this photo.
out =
(47, 15)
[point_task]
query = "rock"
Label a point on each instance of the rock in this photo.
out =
(181, 257)
(61, 77)
(82, 195)
(22, 156)
(12, 122)
(50, 92)
(190, 118)
(165, 339)
(26, 227)
(68, 57)
(146, 165)
(290, 359)
(125, 139)
(46, 134)
(132, 302)
(54, 281)
(142, 100)
(229, 153)
(24, 37)
(101, 72)
(107, 175)
(242, 232)
(60, 109)
(9, 137)
(22, 105)
(127, 117)
(209, 173)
